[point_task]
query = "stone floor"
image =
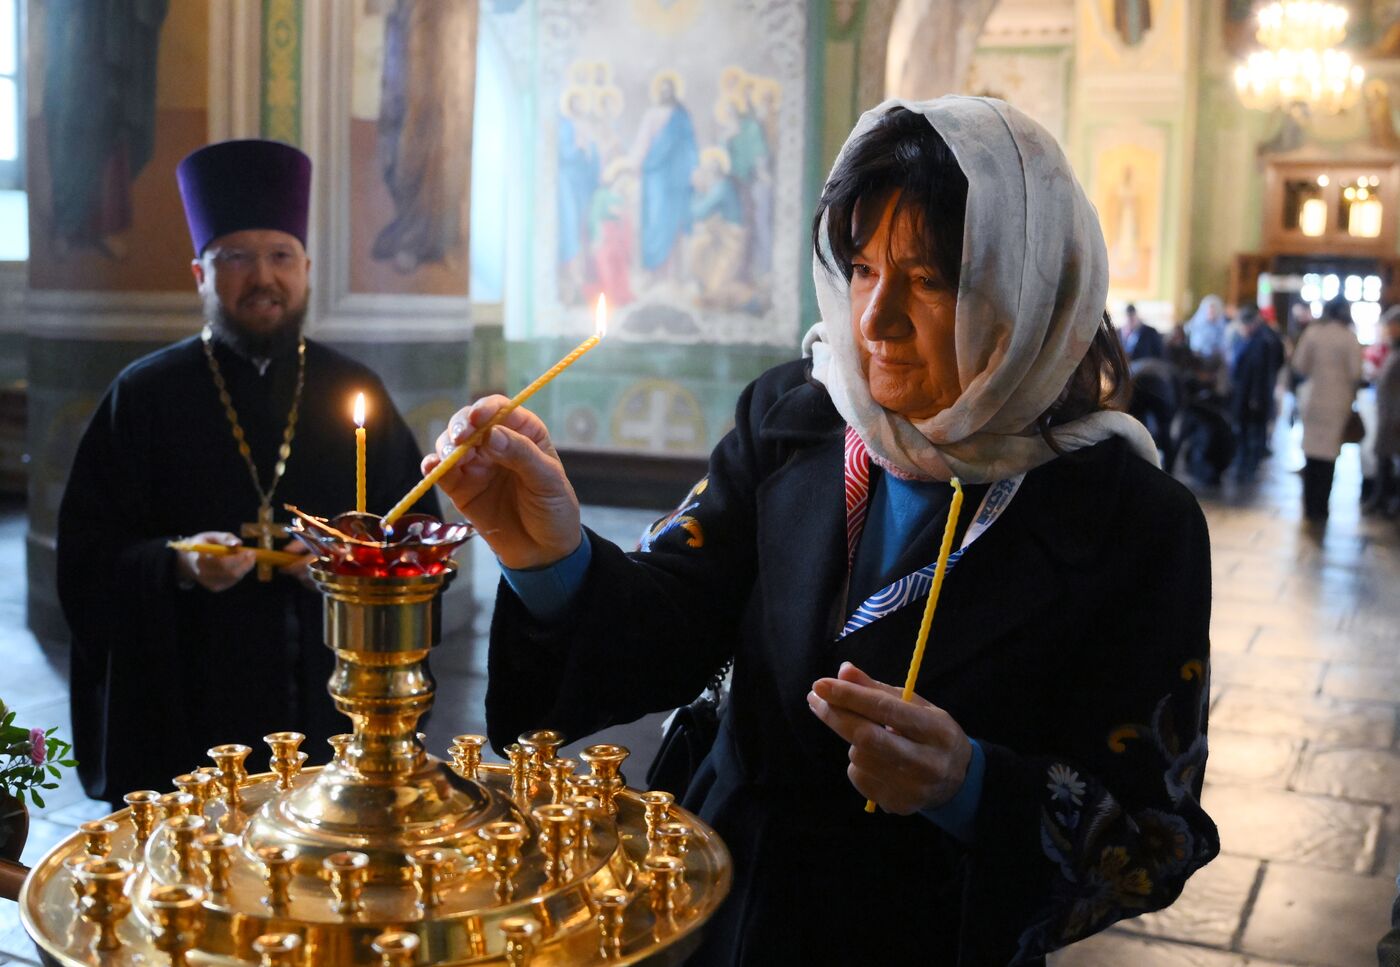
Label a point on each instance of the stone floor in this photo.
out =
(1304, 772)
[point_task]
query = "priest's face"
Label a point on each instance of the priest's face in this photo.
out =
(254, 285)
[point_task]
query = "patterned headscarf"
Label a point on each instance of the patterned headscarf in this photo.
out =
(1031, 296)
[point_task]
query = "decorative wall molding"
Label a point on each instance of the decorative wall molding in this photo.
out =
(282, 60)
(235, 66)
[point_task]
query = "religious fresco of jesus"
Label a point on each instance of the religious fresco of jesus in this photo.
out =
(663, 152)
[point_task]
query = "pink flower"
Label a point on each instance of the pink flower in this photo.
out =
(36, 746)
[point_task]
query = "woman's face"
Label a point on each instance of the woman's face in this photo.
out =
(902, 315)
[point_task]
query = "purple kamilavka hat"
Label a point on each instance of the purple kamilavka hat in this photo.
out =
(236, 185)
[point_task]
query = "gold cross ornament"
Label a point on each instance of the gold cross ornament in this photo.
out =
(263, 530)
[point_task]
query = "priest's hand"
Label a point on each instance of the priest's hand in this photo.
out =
(299, 569)
(906, 756)
(512, 488)
(213, 573)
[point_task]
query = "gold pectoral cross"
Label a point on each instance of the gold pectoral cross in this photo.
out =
(263, 530)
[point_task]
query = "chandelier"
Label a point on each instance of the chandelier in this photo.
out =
(1300, 68)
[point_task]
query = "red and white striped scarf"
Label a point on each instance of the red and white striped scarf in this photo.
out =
(857, 491)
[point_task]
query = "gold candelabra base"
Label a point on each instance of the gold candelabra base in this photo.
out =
(384, 855)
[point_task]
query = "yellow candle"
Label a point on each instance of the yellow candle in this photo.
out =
(360, 452)
(940, 569)
(276, 558)
(448, 462)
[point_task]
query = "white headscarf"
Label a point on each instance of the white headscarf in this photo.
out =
(1034, 278)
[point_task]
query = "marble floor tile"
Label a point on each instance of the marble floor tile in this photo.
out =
(1369, 775)
(1117, 948)
(1321, 719)
(1232, 637)
(1318, 916)
(1315, 831)
(1291, 675)
(1372, 683)
(1263, 761)
(1210, 910)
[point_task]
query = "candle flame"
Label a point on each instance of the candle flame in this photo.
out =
(600, 317)
(359, 409)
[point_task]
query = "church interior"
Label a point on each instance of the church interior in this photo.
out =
(484, 170)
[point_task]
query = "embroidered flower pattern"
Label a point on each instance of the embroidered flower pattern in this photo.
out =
(679, 519)
(1113, 860)
(1065, 785)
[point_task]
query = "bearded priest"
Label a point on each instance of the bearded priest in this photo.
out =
(177, 651)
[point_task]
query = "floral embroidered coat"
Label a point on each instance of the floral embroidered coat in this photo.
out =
(1071, 640)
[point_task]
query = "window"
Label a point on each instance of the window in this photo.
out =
(14, 207)
(11, 106)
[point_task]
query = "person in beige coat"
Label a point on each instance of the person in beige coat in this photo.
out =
(1328, 359)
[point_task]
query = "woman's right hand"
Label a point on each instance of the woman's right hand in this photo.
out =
(512, 488)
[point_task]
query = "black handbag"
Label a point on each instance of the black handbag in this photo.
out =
(689, 737)
(1355, 429)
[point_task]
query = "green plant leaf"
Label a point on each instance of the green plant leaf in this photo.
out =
(34, 795)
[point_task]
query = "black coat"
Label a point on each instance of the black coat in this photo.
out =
(160, 674)
(1087, 694)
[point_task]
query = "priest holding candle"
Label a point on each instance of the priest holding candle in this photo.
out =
(192, 622)
(1043, 778)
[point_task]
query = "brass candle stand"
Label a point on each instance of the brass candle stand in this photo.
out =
(385, 855)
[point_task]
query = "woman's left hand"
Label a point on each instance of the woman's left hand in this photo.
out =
(906, 756)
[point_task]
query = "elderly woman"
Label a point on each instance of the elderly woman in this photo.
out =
(1045, 782)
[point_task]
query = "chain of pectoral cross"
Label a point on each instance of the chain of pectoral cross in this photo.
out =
(264, 529)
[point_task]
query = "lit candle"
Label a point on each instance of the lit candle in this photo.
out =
(450, 461)
(940, 569)
(360, 452)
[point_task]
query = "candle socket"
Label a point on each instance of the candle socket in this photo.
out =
(286, 760)
(657, 804)
(278, 949)
(605, 762)
(176, 804)
(217, 849)
(558, 772)
(97, 836)
(556, 822)
(519, 757)
(520, 933)
(396, 948)
(229, 758)
(587, 812)
(429, 869)
(104, 901)
(277, 873)
(178, 920)
(466, 755)
(347, 871)
(543, 746)
(184, 830)
(612, 905)
(666, 875)
(503, 842)
(144, 804)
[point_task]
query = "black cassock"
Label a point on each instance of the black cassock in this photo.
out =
(160, 674)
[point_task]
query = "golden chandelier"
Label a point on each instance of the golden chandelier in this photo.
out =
(1300, 68)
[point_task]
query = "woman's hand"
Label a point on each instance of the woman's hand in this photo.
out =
(512, 488)
(906, 756)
